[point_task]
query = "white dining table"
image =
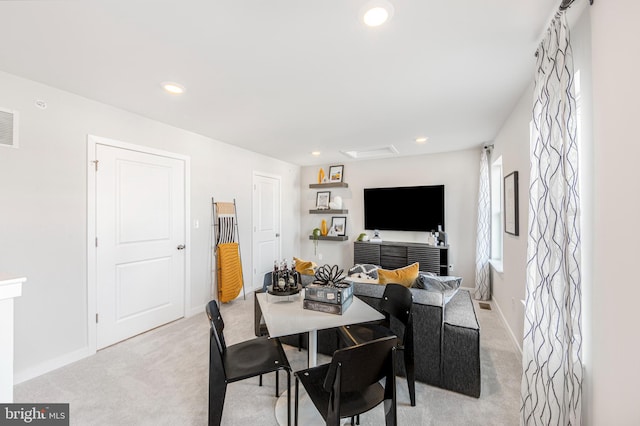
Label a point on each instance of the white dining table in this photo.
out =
(285, 316)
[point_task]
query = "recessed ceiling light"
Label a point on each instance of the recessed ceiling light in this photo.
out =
(376, 16)
(173, 88)
(377, 12)
(421, 140)
(315, 153)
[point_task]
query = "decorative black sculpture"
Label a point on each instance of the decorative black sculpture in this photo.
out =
(329, 275)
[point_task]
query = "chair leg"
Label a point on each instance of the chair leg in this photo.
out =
(277, 383)
(295, 416)
(217, 393)
(411, 376)
(300, 342)
(260, 383)
(391, 416)
(288, 397)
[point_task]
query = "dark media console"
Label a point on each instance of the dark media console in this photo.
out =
(397, 254)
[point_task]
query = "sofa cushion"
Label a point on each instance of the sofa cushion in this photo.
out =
(364, 270)
(404, 276)
(356, 279)
(447, 285)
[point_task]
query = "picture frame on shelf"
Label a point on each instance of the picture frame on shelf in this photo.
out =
(322, 200)
(511, 223)
(339, 224)
(336, 173)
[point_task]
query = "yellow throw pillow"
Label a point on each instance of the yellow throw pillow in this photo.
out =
(305, 267)
(404, 276)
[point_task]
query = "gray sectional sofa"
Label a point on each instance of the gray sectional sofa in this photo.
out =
(446, 337)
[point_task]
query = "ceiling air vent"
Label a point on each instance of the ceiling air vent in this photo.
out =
(385, 151)
(8, 128)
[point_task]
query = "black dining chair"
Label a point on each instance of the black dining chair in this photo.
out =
(350, 384)
(228, 364)
(397, 302)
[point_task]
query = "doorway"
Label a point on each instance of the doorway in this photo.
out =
(137, 239)
(266, 225)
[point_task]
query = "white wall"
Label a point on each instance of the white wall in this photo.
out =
(613, 372)
(581, 44)
(458, 171)
(43, 222)
(508, 287)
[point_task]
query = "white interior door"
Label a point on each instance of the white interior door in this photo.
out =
(266, 225)
(140, 228)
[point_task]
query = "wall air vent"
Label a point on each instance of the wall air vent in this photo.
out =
(385, 151)
(484, 305)
(8, 128)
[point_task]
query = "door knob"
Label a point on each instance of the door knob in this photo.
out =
(277, 235)
(181, 247)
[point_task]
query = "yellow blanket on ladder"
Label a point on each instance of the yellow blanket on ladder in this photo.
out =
(229, 272)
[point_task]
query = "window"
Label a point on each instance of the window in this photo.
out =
(496, 210)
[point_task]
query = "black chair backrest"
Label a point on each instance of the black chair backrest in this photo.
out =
(362, 365)
(266, 280)
(397, 301)
(217, 325)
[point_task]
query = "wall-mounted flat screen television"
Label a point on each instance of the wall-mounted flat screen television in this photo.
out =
(407, 208)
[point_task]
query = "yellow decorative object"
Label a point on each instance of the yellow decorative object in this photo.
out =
(305, 267)
(324, 229)
(229, 272)
(321, 175)
(404, 276)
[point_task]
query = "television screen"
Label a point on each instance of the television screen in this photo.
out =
(408, 208)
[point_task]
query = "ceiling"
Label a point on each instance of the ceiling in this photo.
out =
(287, 77)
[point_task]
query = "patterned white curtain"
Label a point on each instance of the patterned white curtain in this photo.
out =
(483, 238)
(551, 389)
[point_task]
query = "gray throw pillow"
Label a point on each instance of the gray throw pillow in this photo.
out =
(446, 285)
(364, 270)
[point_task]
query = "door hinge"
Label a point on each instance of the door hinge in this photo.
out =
(96, 241)
(96, 318)
(95, 163)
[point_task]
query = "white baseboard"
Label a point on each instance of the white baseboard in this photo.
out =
(50, 365)
(195, 311)
(493, 301)
(504, 321)
(71, 357)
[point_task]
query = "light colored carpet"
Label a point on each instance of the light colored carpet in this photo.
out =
(160, 378)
